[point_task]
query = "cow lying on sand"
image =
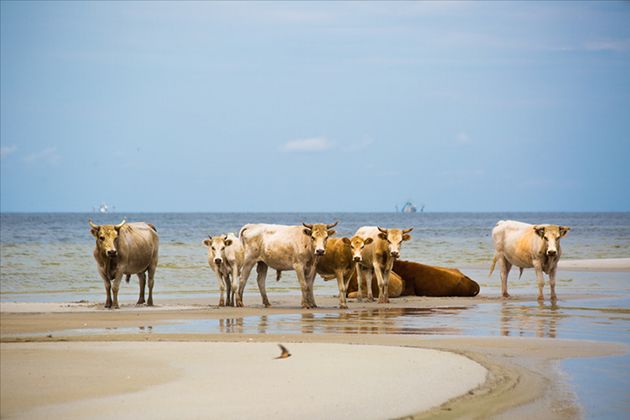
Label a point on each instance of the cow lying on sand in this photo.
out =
(225, 257)
(428, 280)
(125, 249)
(527, 246)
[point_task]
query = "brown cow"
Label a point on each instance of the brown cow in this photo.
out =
(339, 261)
(395, 286)
(426, 280)
(125, 249)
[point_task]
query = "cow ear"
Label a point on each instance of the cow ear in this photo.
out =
(331, 232)
(540, 231)
(406, 237)
(346, 241)
(368, 241)
(207, 242)
(564, 230)
(307, 231)
(94, 232)
(383, 236)
(228, 242)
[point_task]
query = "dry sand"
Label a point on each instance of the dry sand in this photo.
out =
(228, 380)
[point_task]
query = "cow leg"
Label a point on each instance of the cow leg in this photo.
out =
(540, 280)
(234, 279)
(505, 267)
(342, 289)
(151, 275)
(261, 269)
(552, 284)
(228, 290)
(369, 273)
(380, 279)
(360, 280)
(386, 285)
(108, 293)
(247, 269)
(310, 281)
(142, 280)
(299, 272)
(115, 287)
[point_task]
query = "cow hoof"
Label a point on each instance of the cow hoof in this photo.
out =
(140, 302)
(554, 298)
(115, 307)
(221, 303)
(150, 303)
(541, 299)
(343, 306)
(506, 296)
(267, 305)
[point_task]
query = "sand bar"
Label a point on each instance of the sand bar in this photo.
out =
(228, 380)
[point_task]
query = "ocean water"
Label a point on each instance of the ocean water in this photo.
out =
(48, 256)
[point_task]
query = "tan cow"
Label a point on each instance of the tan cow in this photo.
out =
(225, 257)
(125, 249)
(527, 246)
(378, 258)
(428, 280)
(283, 248)
(339, 261)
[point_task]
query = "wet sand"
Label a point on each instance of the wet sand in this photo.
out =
(135, 357)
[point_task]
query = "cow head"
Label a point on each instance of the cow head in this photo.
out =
(319, 234)
(357, 244)
(216, 245)
(106, 238)
(551, 234)
(394, 238)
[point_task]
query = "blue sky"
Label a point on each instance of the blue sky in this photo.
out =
(315, 106)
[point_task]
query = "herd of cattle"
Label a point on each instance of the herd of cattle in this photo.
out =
(132, 248)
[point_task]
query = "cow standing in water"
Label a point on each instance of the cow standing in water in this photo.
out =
(339, 261)
(125, 249)
(378, 258)
(283, 248)
(527, 246)
(225, 257)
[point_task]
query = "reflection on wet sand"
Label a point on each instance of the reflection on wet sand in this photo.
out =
(518, 320)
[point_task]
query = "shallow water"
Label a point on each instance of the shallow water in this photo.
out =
(48, 257)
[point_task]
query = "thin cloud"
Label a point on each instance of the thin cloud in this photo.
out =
(314, 144)
(620, 45)
(48, 155)
(7, 150)
(463, 138)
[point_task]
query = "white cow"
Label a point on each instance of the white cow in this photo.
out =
(378, 258)
(527, 246)
(225, 257)
(283, 248)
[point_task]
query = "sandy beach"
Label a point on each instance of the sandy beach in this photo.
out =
(416, 357)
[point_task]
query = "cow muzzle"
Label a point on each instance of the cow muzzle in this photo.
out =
(320, 252)
(357, 259)
(552, 253)
(394, 254)
(111, 253)
(218, 260)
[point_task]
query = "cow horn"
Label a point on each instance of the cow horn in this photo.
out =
(407, 230)
(333, 225)
(307, 225)
(382, 230)
(92, 225)
(119, 225)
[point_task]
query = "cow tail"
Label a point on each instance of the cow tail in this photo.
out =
(494, 262)
(129, 275)
(520, 274)
(278, 274)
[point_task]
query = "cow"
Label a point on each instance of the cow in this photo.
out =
(428, 280)
(378, 258)
(339, 261)
(125, 249)
(283, 248)
(225, 257)
(527, 246)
